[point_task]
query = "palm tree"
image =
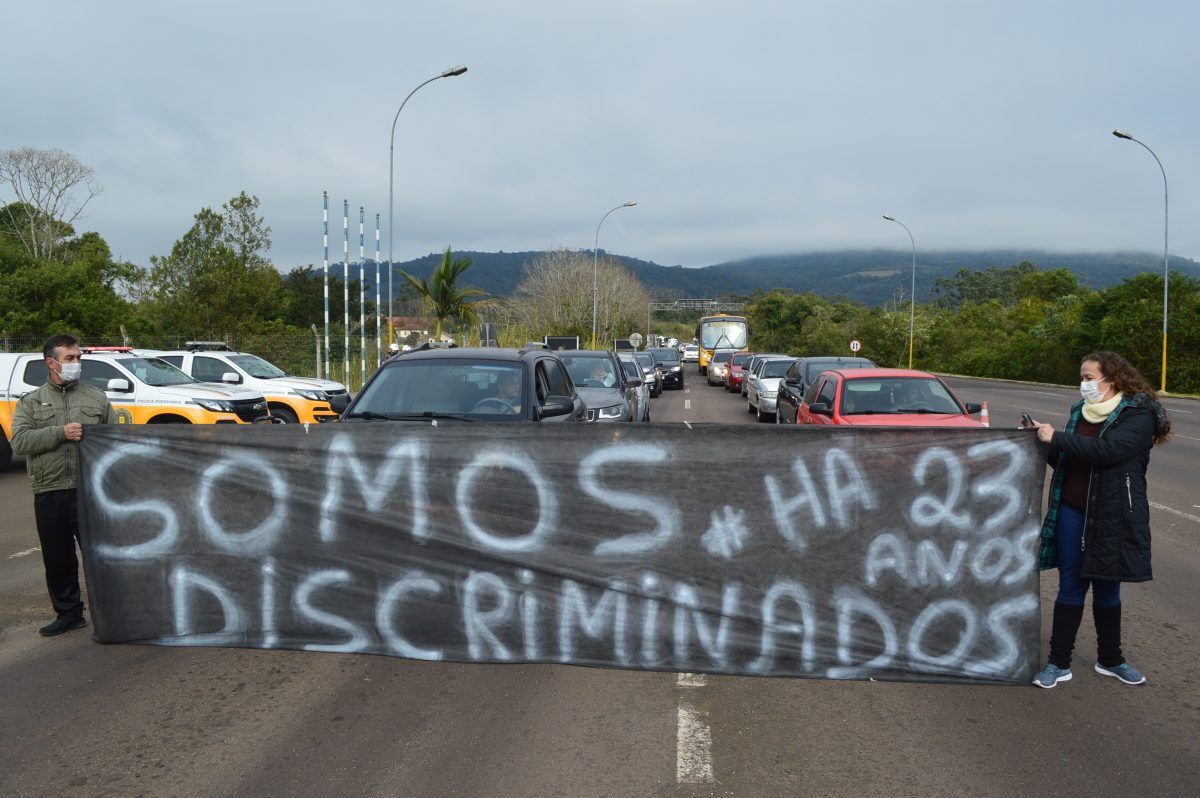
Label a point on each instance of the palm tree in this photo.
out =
(444, 298)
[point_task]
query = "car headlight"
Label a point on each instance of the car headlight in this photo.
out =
(609, 412)
(215, 405)
(313, 396)
(675, 369)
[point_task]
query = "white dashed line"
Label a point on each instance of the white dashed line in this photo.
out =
(1173, 511)
(25, 553)
(693, 748)
(693, 737)
(1189, 437)
(687, 424)
(687, 405)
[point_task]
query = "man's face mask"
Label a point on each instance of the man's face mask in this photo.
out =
(69, 372)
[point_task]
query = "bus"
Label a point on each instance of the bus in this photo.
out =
(721, 331)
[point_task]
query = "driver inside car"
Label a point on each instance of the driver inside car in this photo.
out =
(603, 376)
(913, 395)
(507, 401)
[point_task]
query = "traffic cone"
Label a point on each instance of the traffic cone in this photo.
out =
(983, 416)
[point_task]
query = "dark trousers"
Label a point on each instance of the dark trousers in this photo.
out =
(1072, 587)
(58, 529)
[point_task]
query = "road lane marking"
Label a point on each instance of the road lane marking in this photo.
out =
(25, 553)
(687, 404)
(693, 748)
(1177, 410)
(687, 424)
(1189, 437)
(1172, 510)
(1055, 395)
(691, 680)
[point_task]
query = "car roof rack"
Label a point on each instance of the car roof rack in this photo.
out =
(207, 346)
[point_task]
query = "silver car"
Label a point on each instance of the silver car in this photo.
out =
(764, 386)
(633, 373)
(718, 367)
(652, 372)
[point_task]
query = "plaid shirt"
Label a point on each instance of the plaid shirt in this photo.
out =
(1048, 551)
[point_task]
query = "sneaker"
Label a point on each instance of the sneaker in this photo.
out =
(1051, 675)
(1125, 672)
(64, 624)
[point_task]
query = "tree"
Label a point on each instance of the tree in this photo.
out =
(47, 185)
(442, 296)
(218, 281)
(555, 297)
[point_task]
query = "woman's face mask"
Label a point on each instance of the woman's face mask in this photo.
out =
(1091, 391)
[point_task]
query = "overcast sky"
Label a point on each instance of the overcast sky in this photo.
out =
(740, 129)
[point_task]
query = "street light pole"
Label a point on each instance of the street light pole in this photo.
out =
(912, 299)
(596, 268)
(449, 73)
(1166, 269)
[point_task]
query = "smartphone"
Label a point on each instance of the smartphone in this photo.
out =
(1026, 421)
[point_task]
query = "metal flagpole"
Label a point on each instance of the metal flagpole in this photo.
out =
(378, 300)
(325, 273)
(362, 305)
(346, 291)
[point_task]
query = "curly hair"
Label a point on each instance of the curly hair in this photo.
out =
(1125, 377)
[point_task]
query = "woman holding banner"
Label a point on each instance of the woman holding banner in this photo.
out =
(1097, 529)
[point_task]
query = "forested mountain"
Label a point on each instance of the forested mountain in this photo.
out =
(868, 276)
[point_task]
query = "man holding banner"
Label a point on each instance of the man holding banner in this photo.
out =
(47, 427)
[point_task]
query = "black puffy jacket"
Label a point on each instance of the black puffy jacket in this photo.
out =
(1116, 534)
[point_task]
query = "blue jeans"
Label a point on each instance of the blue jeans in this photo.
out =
(1072, 587)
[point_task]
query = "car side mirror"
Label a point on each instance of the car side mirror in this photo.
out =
(231, 377)
(339, 403)
(820, 409)
(634, 382)
(119, 385)
(973, 408)
(557, 406)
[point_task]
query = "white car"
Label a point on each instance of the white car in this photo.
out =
(691, 354)
(763, 387)
(291, 399)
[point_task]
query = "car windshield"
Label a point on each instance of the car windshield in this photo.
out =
(721, 357)
(774, 368)
(591, 372)
(479, 388)
(741, 359)
(813, 369)
(897, 395)
(153, 371)
(255, 366)
(646, 359)
(723, 333)
(666, 355)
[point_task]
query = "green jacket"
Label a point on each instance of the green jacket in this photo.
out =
(37, 431)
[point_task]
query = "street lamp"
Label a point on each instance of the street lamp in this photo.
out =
(596, 267)
(1166, 272)
(449, 73)
(912, 299)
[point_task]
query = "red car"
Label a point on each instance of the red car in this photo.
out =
(884, 398)
(737, 371)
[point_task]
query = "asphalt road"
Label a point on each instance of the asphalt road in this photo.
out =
(78, 718)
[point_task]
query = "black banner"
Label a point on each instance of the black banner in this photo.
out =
(816, 552)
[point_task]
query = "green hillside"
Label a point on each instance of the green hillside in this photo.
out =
(868, 276)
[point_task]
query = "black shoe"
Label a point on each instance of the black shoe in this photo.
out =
(64, 624)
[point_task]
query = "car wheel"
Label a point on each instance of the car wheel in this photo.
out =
(749, 407)
(285, 415)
